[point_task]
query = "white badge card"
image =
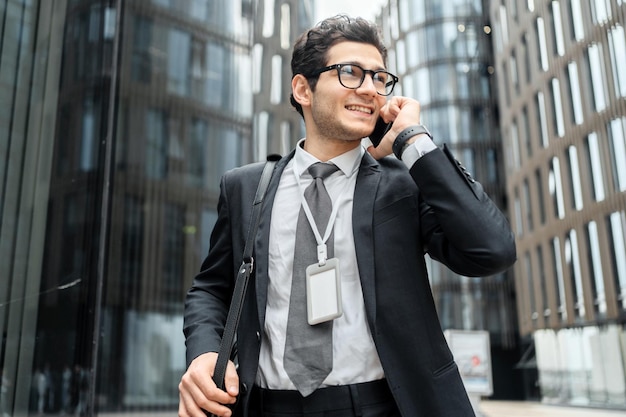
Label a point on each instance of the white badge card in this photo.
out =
(323, 292)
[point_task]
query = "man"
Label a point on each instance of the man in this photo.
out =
(389, 356)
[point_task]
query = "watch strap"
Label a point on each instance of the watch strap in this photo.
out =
(399, 144)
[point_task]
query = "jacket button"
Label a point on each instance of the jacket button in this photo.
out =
(258, 336)
(244, 387)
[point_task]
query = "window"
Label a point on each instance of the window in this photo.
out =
(216, 78)
(528, 149)
(543, 49)
(285, 26)
(530, 287)
(196, 154)
(600, 11)
(543, 283)
(528, 206)
(577, 20)
(595, 166)
(574, 90)
(557, 107)
(542, 119)
(617, 141)
(178, 62)
(617, 231)
(519, 226)
(88, 145)
(557, 267)
(514, 75)
(525, 58)
(542, 208)
(595, 261)
(276, 80)
(617, 49)
(515, 146)
(559, 44)
(156, 128)
(596, 72)
(572, 259)
(574, 179)
(556, 188)
(141, 61)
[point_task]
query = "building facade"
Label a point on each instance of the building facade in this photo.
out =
(119, 118)
(562, 99)
(442, 52)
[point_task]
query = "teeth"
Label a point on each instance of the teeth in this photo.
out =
(359, 108)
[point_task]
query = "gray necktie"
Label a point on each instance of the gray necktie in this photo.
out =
(308, 349)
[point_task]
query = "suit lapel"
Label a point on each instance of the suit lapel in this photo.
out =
(367, 182)
(365, 191)
(263, 238)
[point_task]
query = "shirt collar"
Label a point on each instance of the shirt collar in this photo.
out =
(347, 161)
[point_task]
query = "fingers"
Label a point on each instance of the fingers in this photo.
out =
(198, 392)
(231, 380)
(403, 112)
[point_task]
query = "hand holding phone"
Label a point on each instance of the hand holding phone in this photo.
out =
(380, 130)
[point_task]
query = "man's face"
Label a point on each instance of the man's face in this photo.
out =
(340, 113)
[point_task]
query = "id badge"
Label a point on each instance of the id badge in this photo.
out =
(323, 292)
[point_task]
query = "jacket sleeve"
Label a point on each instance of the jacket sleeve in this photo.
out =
(461, 225)
(207, 301)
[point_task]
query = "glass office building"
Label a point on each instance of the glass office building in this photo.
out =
(442, 52)
(118, 118)
(562, 99)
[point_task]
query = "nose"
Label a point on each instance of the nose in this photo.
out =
(368, 86)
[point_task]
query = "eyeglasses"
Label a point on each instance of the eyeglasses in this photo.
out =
(352, 76)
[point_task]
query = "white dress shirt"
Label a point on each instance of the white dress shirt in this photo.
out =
(354, 355)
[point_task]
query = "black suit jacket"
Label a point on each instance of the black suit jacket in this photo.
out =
(398, 215)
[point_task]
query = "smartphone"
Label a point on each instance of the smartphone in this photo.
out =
(379, 131)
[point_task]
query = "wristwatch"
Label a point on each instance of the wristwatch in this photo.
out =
(400, 144)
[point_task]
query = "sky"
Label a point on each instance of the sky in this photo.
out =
(367, 9)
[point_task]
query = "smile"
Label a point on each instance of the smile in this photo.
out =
(360, 109)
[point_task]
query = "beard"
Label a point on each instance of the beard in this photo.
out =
(330, 125)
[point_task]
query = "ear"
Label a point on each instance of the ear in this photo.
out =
(301, 90)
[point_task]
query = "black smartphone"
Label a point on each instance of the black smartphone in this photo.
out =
(379, 131)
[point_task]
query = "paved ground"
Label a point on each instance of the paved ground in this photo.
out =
(488, 409)
(534, 409)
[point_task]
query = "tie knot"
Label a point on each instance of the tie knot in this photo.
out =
(322, 170)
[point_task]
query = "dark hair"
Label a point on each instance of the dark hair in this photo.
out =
(311, 48)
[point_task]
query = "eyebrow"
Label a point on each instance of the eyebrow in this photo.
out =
(360, 65)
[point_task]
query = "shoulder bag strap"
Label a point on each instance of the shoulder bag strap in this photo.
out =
(243, 276)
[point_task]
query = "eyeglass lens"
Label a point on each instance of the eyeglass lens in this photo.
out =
(352, 76)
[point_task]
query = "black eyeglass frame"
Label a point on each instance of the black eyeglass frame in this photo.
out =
(338, 67)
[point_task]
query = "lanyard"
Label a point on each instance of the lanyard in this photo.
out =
(322, 254)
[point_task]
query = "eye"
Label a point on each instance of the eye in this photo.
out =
(351, 71)
(381, 77)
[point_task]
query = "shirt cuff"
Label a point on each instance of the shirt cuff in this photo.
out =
(417, 149)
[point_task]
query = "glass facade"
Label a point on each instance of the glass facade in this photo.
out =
(442, 52)
(119, 118)
(574, 310)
